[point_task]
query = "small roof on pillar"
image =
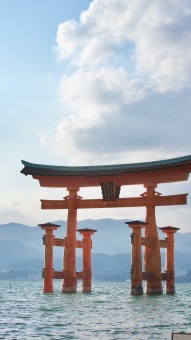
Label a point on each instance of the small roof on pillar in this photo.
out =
(164, 171)
(86, 230)
(49, 224)
(135, 222)
(169, 228)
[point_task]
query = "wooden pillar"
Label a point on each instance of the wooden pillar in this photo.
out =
(69, 284)
(48, 241)
(86, 258)
(169, 265)
(152, 257)
(136, 257)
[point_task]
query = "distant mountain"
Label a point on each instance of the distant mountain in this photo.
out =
(21, 246)
(112, 236)
(120, 261)
(183, 243)
(13, 251)
(104, 267)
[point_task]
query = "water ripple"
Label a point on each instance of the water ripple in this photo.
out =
(108, 313)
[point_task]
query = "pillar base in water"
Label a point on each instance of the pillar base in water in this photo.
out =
(154, 289)
(86, 289)
(69, 289)
(69, 286)
(170, 290)
(48, 291)
(137, 290)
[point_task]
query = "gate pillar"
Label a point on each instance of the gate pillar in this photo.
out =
(169, 265)
(152, 251)
(48, 241)
(86, 258)
(69, 284)
(136, 257)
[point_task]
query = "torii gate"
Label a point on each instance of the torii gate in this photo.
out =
(110, 178)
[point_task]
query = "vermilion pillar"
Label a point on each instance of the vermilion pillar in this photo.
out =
(152, 251)
(170, 231)
(136, 257)
(86, 258)
(69, 284)
(48, 240)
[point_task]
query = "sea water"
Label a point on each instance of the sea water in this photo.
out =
(109, 312)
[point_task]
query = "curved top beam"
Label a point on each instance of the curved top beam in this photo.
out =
(163, 171)
(56, 170)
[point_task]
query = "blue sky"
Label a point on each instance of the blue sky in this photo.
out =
(92, 82)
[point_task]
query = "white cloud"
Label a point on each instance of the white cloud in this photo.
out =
(124, 61)
(155, 35)
(90, 96)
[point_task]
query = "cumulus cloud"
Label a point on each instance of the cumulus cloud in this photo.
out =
(154, 36)
(126, 85)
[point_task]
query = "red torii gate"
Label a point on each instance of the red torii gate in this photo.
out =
(110, 178)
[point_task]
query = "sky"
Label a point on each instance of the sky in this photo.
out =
(89, 83)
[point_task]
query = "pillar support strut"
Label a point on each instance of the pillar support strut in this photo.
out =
(48, 240)
(169, 263)
(49, 273)
(136, 257)
(86, 258)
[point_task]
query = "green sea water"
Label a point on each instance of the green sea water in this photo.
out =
(109, 312)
